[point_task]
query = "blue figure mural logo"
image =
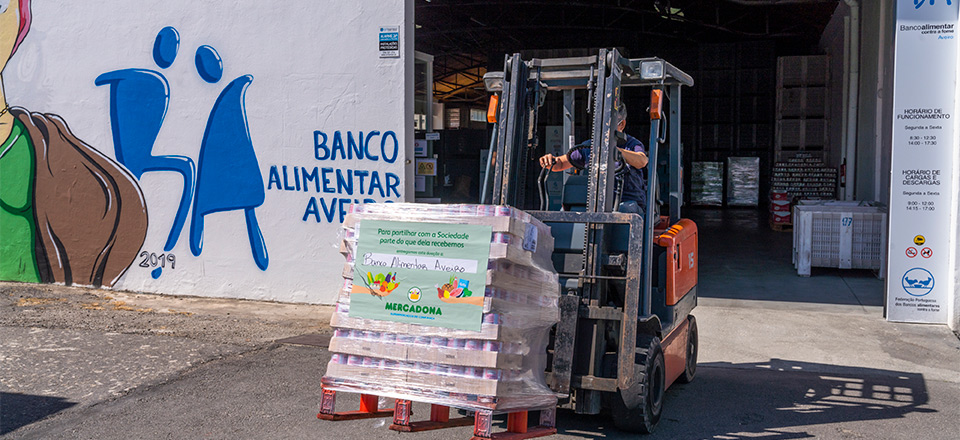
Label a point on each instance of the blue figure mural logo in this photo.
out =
(917, 281)
(918, 3)
(138, 104)
(227, 174)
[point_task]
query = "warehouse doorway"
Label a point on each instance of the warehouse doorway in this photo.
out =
(765, 125)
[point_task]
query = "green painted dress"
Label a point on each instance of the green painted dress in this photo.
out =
(18, 260)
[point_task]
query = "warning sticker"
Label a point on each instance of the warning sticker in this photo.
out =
(926, 252)
(390, 42)
(919, 240)
(911, 252)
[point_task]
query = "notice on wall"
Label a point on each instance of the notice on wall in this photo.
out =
(419, 183)
(920, 279)
(431, 274)
(389, 41)
(420, 148)
(426, 167)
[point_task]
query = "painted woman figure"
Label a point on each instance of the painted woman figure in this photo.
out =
(68, 213)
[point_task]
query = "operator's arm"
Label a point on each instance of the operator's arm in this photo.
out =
(636, 159)
(555, 163)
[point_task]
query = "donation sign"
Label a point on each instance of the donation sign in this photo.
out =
(430, 274)
(920, 279)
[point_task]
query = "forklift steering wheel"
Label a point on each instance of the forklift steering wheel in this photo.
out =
(621, 163)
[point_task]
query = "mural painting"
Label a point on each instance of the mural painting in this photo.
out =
(68, 213)
(245, 181)
(227, 176)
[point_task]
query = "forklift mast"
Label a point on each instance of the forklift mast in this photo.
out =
(521, 87)
(586, 314)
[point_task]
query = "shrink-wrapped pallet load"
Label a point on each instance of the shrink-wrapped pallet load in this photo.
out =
(706, 185)
(445, 304)
(743, 181)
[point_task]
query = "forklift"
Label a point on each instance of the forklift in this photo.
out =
(628, 282)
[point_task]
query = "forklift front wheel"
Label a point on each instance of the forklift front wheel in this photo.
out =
(651, 387)
(693, 346)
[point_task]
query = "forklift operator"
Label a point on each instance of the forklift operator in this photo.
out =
(634, 195)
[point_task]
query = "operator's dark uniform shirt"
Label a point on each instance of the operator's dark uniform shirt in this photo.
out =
(634, 180)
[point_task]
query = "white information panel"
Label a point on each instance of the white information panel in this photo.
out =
(920, 279)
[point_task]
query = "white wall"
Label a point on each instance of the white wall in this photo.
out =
(874, 114)
(867, 147)
(315, 67)
(831, 43)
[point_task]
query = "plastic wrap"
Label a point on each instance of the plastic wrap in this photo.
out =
(499, 367)
(706, 184)
(743, 181)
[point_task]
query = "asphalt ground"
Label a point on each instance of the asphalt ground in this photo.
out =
(84, 363)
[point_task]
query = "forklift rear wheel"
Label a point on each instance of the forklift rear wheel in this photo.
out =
(652, 385)
(693, 345)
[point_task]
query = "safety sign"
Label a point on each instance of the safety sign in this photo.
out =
(926, 252)
(389, 41)
(911, 252)
(919, 240)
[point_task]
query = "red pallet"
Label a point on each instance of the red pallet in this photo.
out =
(369, 408)
(517, 428)
(439, 418)
(482, 420)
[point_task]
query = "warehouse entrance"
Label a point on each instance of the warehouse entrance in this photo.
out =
(775, 118)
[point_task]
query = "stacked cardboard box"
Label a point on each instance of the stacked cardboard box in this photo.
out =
(802, 177)
(499, 367)
(805, 177)
(780, 206)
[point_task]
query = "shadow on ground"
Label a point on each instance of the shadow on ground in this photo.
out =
(779, 399)
(18, 410)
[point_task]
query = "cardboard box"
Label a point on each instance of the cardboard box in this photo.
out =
(776, 207)
(780, 217)
(426, 353)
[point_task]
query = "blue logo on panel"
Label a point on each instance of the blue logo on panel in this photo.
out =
(918, 3)
(917, 281)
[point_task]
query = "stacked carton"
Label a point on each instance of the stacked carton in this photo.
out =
(802, 177)
(780, 205)
(805, 177)
(499, 367)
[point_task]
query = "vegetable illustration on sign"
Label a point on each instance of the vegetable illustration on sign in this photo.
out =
(381, 285)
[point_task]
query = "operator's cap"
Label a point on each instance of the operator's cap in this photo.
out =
(621, 113)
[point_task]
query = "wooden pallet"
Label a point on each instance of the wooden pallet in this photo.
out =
(517, 420)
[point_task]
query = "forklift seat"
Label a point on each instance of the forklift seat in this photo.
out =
(574, 192)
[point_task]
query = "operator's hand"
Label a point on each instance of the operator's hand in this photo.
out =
(548, 160)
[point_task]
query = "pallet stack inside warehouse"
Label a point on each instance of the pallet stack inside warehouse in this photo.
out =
(499, 367)
(802, 177)
(706, 184)
(743, 181)
(802, 113)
